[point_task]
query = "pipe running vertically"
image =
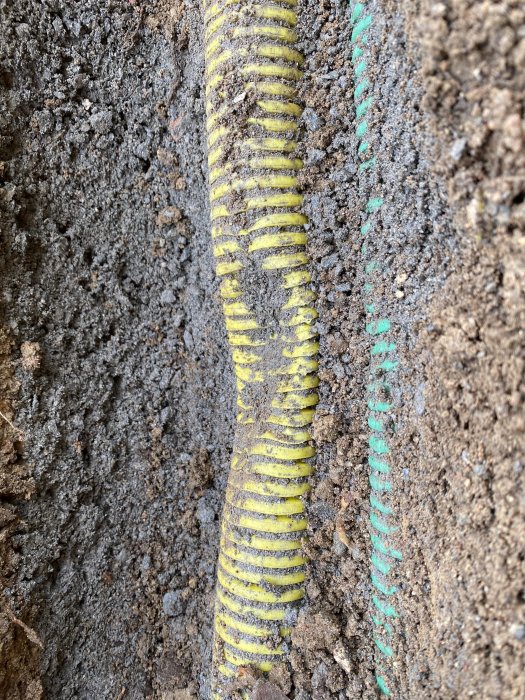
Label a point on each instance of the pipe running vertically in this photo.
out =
(259, 243)
(385, 555)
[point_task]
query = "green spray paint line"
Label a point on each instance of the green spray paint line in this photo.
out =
(383, 361)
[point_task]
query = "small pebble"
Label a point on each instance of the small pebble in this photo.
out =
(458, 147)
(101, 122)
(311, 119)
(518, 631)
(338, 547)
(314, 155)
(329, 261)
(172, 605)
(204, 513)
(188, 339)
(167, 297)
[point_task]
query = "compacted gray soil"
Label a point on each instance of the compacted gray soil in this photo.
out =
(117, 392)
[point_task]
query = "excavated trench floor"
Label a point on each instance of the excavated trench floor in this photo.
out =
(117, 392)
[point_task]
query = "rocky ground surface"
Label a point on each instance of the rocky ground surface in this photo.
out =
(117, 397)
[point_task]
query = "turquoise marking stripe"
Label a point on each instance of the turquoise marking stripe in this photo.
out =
(381, 684)
(383, 347)
(383, 648)
(378, 445)
(360, 88)
(382, 325)
(378, 465)
(380, 406)
(380, 506)
(362, 108)
(361, 26)
(357, 12)
(374, 204)
(382, 361)
(384, 608)
(380, 564)
(359, 70)
(381, 587)
(375, 424)
(379, 545)
(362, 129)
(379, 485)
(381, 525)
(367, 164)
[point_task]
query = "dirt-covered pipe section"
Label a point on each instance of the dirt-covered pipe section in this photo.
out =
(258, 233)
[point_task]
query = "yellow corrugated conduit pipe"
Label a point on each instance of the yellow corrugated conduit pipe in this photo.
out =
(259, 242)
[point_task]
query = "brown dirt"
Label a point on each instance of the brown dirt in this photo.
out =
(114, 365)
(465, 598)
(19, 646)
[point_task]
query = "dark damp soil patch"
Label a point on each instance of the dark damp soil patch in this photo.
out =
(105, 228)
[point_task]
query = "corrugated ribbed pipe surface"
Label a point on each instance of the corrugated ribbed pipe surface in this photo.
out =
(259, 243)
